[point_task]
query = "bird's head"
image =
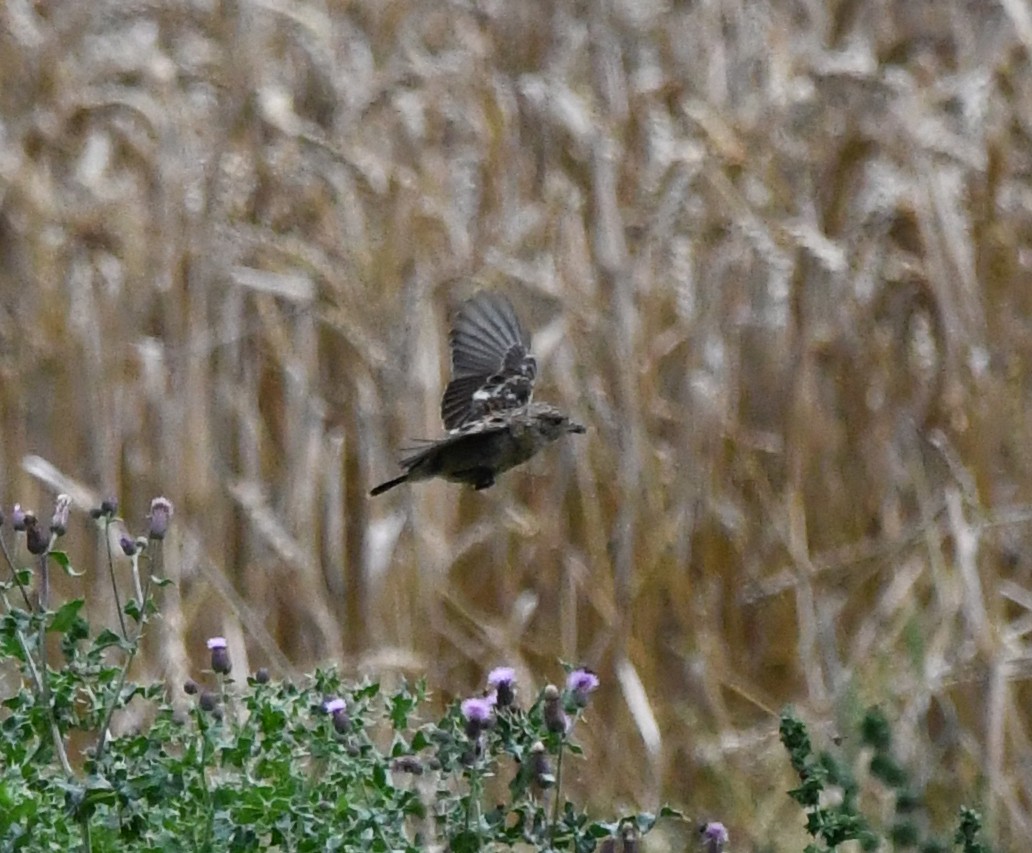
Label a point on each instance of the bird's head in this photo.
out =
(551, 424)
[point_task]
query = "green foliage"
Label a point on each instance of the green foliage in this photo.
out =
(245, 764)
(834, 820)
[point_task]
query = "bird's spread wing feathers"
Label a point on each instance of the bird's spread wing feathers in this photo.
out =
(492, 368)
(458, 400)
(485, 330)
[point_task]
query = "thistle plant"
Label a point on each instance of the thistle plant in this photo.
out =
(835, 820)
(81, 693)
(257, 762)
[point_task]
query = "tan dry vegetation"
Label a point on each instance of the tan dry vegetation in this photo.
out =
(777, 256)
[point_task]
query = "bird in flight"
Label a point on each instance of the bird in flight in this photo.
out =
(493, 424)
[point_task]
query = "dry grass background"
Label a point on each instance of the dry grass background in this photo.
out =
(777, 255)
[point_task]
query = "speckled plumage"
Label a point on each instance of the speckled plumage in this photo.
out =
(493, 425)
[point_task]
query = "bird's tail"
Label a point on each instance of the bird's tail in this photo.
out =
(390, 484)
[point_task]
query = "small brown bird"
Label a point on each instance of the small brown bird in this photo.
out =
(493, 425)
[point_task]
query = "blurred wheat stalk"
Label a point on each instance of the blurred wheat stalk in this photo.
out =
(776, 256)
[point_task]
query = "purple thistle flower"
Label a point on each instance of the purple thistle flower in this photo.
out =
(714, 836)
(128, 545)
(476, 709)
(337, 708)
(160, 516)
(477, 713)
(332, 706)
(503, 680)
(220, 662)
(581, 683)
(501, 675)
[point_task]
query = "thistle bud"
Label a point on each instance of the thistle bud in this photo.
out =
(555, 717)
(35, 541)
(208, 701)
(220, 662)
(262, 676)
(160, 516)
(127, 544)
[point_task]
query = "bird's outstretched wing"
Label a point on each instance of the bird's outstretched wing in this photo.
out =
(488, 425)
(492, 368)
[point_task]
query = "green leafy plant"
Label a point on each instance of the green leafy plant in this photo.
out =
(231, 763)
(833, 821)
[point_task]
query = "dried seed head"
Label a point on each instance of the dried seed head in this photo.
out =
(59, 520)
